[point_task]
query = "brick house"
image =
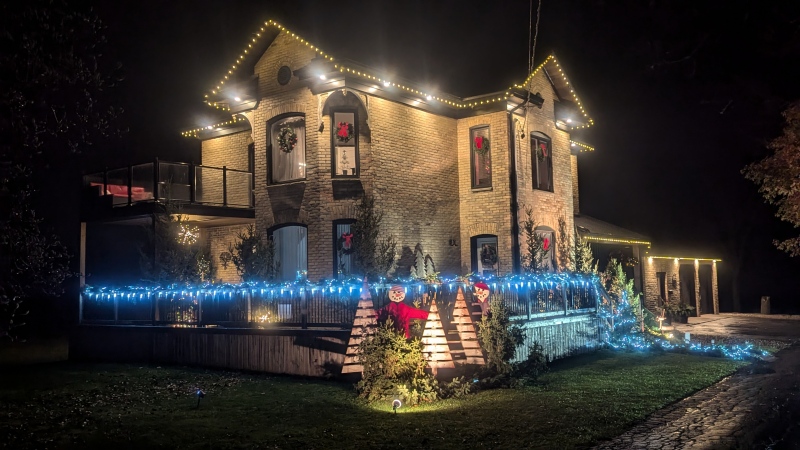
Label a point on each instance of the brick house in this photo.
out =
(452, 175)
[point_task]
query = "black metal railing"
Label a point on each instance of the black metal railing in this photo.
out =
(165, 180)
(308, 305)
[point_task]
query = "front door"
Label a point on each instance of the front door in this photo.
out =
(706, 290)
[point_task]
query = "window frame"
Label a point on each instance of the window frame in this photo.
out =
(334, 235)
(271, 236)
(545, 231)
(472, 155)
(354, 111)
(475, 252)
(540, 137)
(270, 150)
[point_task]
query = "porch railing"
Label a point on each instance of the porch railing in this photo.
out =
(308, 305)
(165, 180)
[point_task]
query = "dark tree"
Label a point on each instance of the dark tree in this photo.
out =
(53, 82)
(777, 176)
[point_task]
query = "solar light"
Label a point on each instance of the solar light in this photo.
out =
(396, 404)
(200, 394)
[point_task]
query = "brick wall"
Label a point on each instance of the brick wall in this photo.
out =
(547, 206)
(220, 238)
(575, 192)
(671, 267)
(422, 183)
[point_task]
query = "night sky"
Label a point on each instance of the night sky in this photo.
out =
(683, 95)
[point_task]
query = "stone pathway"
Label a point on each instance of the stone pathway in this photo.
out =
(734, 413)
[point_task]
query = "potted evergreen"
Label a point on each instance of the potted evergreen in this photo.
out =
(678, 312)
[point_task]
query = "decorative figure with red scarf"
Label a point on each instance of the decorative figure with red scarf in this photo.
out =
(482, 294)
(400, 313)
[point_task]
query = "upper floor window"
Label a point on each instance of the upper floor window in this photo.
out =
(287, 135)
(480, 157)
(541, 162)
(344, 138)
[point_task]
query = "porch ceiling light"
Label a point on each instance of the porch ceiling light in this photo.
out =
(386, 84)
(323, 77)
(428, 97)
(238, 99)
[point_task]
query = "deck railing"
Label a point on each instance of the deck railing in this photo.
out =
(165, 180)
(308, 305)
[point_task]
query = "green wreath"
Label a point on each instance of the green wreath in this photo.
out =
(344, 132)
(287, 139)
(480, 145)
(343, 239)
(541, 151)
(489, 255)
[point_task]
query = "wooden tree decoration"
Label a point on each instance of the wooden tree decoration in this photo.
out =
(363, 325)
(466, 331)
(434, 342)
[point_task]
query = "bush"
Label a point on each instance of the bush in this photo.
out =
(254, 256)
(536, 364)
(499, 339)
(394, 367)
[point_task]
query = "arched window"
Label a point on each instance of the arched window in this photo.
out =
(291, 250)
(542, 161)
(548, 236)
(287, 148)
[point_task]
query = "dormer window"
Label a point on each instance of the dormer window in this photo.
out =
(344, 144)
(541, 162)
(287, 149)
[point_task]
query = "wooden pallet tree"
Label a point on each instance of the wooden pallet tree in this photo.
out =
(434, 342)
(363, 325)
(465, 326)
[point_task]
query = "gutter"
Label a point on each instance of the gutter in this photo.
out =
(515, 255)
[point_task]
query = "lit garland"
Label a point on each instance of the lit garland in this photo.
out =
(482, 100)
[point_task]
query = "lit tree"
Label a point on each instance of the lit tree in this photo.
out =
(566, 249)
(254, 256)
(583, 257)
(373, 256)
(533, 261)
(777, 176)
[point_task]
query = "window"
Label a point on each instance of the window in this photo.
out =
(344, 142)
(541, 162)
(485, 260)
(291, 251)
(480, 157)
(548, 245)
(662, 287)
(342, 248)
(287, 135)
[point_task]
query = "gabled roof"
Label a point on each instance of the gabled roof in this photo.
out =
(596, 230)
(264, 36)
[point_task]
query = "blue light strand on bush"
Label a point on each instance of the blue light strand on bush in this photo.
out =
(625, 335)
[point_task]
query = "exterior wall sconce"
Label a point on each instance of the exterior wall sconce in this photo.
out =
(452, 242)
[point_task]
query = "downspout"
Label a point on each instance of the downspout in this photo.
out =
(515, 257)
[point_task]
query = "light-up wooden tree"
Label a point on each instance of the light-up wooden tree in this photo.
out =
(434, 342)
(466, 331)
(363, 325)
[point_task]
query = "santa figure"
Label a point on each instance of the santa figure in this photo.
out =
(400, 313)
(482, 294)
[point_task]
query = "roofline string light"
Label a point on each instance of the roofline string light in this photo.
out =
(615, 240)
(193, 133)
(677, 258)
(583, 147)
(488, 98)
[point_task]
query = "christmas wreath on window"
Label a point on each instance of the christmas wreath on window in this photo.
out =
(344, 132)
(287, 139)
(541, 151)
(480, 145)
(345, 243)
(488, 255)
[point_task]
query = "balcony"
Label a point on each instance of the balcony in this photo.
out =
(202, 189)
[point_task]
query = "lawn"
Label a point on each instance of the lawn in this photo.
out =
(580, 401)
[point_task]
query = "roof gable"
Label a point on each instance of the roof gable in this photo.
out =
(263, 37)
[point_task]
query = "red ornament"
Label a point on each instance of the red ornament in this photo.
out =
(546, 244)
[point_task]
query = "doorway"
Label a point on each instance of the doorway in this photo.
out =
(706, 290)
(686, 275)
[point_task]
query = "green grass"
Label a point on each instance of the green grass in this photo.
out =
(580, 401)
